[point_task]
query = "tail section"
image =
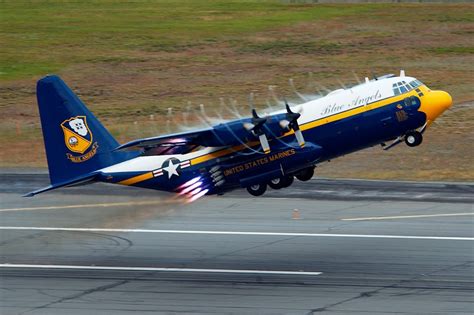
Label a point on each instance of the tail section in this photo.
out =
(76, 142)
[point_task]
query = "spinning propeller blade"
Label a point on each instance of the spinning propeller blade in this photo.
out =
(256, 127)
(264, 142)
(291, 123)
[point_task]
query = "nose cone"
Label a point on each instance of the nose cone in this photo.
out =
(435, 103)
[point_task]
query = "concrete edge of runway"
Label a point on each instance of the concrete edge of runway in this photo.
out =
(317, 189)
(44, 171)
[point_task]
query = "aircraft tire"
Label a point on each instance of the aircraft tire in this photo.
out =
(413, 138)
(275, 183)
(305, 174)
(287, 181)
(257, 189)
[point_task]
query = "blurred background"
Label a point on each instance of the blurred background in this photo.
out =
(130, 62)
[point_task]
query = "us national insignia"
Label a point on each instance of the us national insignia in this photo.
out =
(78, 138)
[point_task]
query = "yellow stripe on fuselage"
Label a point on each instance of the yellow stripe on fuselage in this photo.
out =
(216, 154)
(356, 111)
(306, 126)
(136, 179)
(315, 123)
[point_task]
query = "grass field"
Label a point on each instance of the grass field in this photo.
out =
(128, 61)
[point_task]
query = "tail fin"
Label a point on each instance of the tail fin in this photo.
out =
(76, 142)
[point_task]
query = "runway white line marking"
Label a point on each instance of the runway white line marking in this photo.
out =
(242, 271)
(112, 204)
(64, 229)
(410, 216)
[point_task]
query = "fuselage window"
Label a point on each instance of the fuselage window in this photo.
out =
(403, 89)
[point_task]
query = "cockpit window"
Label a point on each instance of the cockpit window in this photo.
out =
(416, 83)
(396, 90)
(403, 86)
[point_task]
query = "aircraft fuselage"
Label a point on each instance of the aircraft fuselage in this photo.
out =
(340, 123)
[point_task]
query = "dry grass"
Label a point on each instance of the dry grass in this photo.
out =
(230, 52)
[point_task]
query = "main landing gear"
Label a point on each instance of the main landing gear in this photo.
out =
(257, 189)
(305, 174)
(281, 182)
(413, 138)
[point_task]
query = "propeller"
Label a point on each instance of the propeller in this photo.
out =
(291, 123)
(169, 118)
(373, 75)
(356, 77)
(256, 127)
(301, 96)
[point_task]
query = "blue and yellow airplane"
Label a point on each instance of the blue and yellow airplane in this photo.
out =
(253, 153)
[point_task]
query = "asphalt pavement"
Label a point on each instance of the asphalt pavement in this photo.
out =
(325, 246)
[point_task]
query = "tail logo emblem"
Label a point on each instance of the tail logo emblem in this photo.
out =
(78, 138)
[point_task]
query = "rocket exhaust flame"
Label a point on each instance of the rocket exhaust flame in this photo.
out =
(190, 182)
(198, 195)
(195, 191)
(188, 189)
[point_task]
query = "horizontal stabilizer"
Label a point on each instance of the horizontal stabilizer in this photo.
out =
(89, 178)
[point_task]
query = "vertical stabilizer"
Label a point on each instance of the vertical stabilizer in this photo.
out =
(76, 142)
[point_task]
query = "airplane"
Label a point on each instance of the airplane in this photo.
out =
(254, 152)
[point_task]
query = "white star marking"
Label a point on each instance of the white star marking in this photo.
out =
(171, 169)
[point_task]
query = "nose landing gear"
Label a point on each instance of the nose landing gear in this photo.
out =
(413, 138)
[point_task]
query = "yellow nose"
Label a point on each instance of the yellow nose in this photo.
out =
(434, 103)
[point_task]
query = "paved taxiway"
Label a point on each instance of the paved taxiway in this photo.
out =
(351, 247)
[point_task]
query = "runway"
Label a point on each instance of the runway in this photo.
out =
(326, 246)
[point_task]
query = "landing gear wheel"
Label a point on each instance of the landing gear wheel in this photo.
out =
(275, 183)
(413, 138)
(305, 174)
(257, 189)
(287, 180)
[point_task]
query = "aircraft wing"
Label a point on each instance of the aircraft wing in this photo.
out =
(225, 134)
(222, 135)
(170, 141)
